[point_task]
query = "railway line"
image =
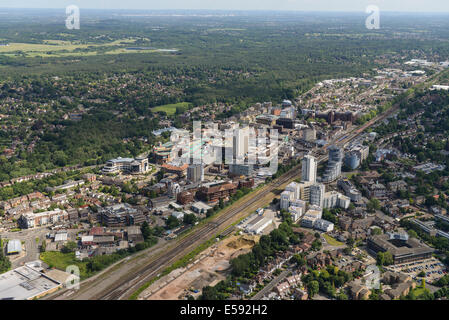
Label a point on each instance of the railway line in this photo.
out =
(205, 233)
(229, 217)
(125, 286)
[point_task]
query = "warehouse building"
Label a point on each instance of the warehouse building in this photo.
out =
(259, 224)
(32, 281)
(14, 247)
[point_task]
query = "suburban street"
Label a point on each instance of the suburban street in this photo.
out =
(267, 289)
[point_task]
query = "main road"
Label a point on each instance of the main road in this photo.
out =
(130, 274)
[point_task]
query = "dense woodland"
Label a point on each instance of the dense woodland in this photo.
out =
(234, 59)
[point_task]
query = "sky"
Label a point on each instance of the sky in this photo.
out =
(296, 5)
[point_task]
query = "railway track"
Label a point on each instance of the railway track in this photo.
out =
(123, 288)
(205, 233)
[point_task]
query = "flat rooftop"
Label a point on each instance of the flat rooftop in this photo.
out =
(400, 248)
(24, 283)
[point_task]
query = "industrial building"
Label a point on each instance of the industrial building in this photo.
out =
(200, 207)
(14, 247)
(32, 281)
(258, 224)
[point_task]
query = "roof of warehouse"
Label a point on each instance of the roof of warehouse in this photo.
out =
(14, 246)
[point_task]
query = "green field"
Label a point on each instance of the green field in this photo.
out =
(59, 48)
(332, 241)
(170, 109)
(61, 261)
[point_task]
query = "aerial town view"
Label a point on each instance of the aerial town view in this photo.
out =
(231, 151)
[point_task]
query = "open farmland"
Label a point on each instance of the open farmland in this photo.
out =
(61, 48)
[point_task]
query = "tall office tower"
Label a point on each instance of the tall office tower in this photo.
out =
(333, 170)
(317, 194)
(335, 154)
(240, 142)
(309, 167)
(195, 173)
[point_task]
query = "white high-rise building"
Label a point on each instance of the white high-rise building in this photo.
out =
(295, 188)
(240, 142)
(286, 197)
(317, 194)
(309, 168)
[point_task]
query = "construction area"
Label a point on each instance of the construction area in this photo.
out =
(211, 266)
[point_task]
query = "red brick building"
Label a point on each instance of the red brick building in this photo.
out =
(217, 192)
(185, 197)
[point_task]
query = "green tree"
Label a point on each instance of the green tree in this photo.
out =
(373, 205)
(5, 264)
(342, 296)
(380, 258)
(69, 247)
(190, 219)
(388, 258)
(43, 246)
(350, 242)
(412, 233)
(313, 287)
(299, 260)
(146, 230)
(172, 222)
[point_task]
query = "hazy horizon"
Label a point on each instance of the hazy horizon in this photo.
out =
(406, 6)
